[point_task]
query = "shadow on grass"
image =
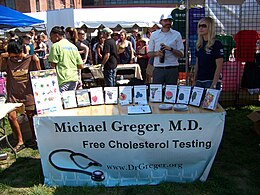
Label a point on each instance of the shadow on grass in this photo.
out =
(24, 172)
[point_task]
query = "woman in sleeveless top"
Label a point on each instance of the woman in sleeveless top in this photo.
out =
(142, 56)
(125, 49)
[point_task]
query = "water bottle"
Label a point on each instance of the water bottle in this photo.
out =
(161, 60)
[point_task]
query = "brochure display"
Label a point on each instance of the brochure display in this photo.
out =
(82, 96)
(155, 93)
(97, 96)
(125, 95)
(115, 145)
(69, 99)
(196, 96)
(140, 94)
(111, 95)
(183, 94)
(211, 99)
(46, 91)
(170, 93)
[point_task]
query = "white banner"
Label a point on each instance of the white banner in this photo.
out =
(122, 150)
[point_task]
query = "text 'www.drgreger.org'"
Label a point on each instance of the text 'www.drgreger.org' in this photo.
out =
(142, 166)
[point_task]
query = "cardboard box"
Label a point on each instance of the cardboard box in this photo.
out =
(255, 117)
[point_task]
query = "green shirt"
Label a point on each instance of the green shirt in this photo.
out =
(66, 57)
(228, 44)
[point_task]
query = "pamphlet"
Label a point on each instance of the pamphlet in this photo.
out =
(211, 99)
(46, 91)
(69, 99)
(183, 94)
(155, 93)
(140, 94)
(125, 95)
(82, 97)
(170, 93)
(196, 96)
(97, 96)
(111, 95)
(139, 109)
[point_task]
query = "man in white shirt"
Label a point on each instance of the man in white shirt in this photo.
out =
(166, 43)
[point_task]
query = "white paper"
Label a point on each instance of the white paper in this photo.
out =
(155, 93)
(144, 109)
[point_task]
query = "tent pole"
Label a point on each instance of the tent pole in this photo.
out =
(187, 43)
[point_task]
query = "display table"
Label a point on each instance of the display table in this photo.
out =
(5, 109)
(135, 67)
(98, 74)
(104, 145)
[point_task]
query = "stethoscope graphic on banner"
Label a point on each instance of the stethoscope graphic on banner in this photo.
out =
(96, 175)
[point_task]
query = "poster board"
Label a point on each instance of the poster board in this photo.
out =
(46, 91)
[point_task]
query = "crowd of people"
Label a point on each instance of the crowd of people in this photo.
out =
(157, 51)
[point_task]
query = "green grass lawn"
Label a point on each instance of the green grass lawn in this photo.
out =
(236, 169)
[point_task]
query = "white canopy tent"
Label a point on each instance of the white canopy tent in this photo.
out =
(227, 15)
(108, 17)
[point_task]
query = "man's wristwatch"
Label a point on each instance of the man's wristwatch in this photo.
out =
(171, 49)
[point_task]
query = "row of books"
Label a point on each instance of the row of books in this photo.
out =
(141, 94)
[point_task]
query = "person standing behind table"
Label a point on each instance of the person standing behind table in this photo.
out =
(27, 49)
(93, 42)
(64, 56)
(18, 85)
(82, 40)
(84, 50)
(170, 41)
(209, 56)
(133, 37)
(109, 58)
(40, 50)
(83, 46)
(133, 40)
(125, 49)
(73, 36)
(99, 50)
(142, 56)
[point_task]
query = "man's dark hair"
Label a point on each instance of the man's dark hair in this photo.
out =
(58, 30)
(15, 47)
(11, 33)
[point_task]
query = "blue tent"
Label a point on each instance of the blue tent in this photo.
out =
(10, 18)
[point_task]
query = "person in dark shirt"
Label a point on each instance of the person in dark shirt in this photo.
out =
(109, 58)
(209, 56)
